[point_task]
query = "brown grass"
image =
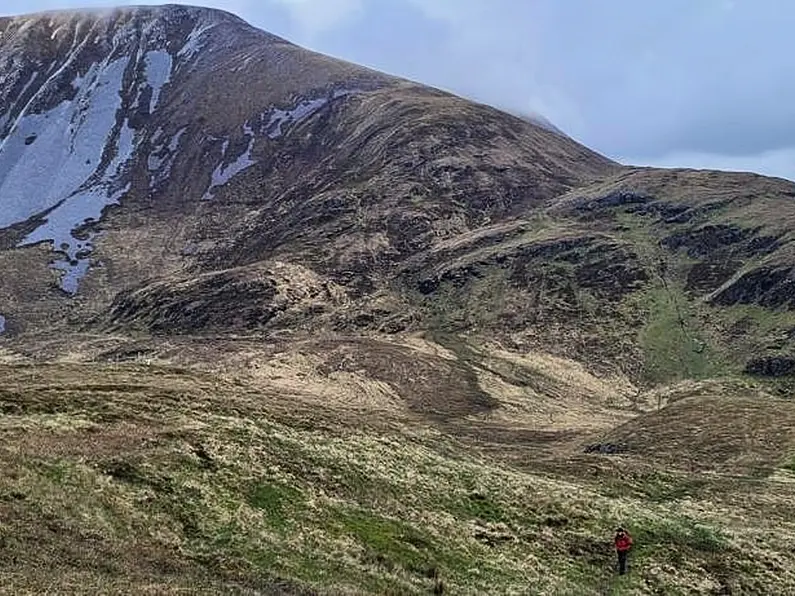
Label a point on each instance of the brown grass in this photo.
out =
(132, 474)
(715, 431)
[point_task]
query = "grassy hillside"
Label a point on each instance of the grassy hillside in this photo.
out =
(151, 477)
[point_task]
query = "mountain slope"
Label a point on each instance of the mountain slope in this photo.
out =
(255, 295)
(119, 107)
(395, 203)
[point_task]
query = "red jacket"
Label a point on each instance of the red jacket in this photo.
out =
(623, 542)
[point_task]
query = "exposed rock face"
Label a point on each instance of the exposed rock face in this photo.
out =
(119, 108)
(771, 287)
(208, 303)
(705, 241)
(773, 366)
(605, 448)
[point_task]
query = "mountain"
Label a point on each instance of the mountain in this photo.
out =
(272, 322)
(540, 120)
(116, 113)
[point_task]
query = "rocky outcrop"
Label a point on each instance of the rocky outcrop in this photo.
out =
(605, 448)
(721, 240)
(706, 277)
(771, 366)
(771, 287)
(208, 304)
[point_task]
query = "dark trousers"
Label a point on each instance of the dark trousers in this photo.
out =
(622, 561)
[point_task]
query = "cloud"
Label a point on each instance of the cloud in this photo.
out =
(482, 50)
(651, 80)
(679, 77)
(780, 163)
(12, 7)
(317, 16)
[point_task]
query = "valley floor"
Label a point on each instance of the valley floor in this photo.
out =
(359, 466)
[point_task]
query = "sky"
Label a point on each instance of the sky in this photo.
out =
(681, 83)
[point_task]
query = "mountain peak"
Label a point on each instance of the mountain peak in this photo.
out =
(143, 12)
(125, 30)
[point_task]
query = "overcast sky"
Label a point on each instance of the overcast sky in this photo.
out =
(695, 83)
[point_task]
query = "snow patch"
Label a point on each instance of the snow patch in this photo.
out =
(46, 157)
(172, 146)
(158, 155)
(280, 119)
(124, 150)
(60, 226)
(57, 30)
(155, 162)
(6, 117)
(158, 74)
(193, 43)
(50, 164)
(72, 272)
(224, 173)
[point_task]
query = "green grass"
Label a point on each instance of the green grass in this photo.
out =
(789, 464)
(477, 506)
(675, 338)
(678, 535)
(657, 487)
(389, 543)
(671, 340)
(220, 490)
(277, 502)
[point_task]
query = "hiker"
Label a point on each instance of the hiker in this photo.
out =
(623, 543)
